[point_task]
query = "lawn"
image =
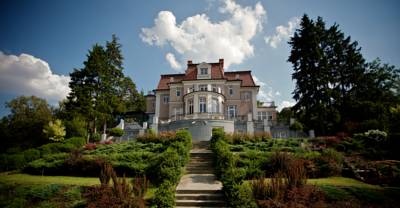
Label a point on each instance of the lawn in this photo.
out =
(341, 181)
(25, 179)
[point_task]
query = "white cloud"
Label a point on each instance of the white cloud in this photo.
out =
(285, 104)
(199, 39)
(172, 62)
(28, 75)
(265, 93)
(282, 32)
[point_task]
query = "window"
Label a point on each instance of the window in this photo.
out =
(214, 88)
(178, 92)
(230, 91)
(190, 105)
(203, 104)
(215, 105)
(246, 96)
(203, 71)
(261, 116)
(232, 111)
(166, 99)
(264, 115)
(203, 87)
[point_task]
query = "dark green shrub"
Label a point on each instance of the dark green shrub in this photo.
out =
(51, 164)
(52, 148)
(167, 167)
(76, 141)
(117, 132)
(95, 137)
(242, 196)
(296, 126)
(44, 192)
(165, 195)
(31, 154)
(12, 162)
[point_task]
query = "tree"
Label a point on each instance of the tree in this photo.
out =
(100, 92)
(55, 131)
(325, 67)
(334, 85)
(25, 123)
(285, 115)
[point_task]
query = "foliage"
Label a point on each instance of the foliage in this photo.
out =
(165, 195)
(23, 127)
(334, 85)
(77, 142)
(55, 130)
(296, 126)
(121, 194)
(76, 127)
(100, 92)
(117, 132)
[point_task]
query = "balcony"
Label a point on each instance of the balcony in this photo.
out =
(208, 115)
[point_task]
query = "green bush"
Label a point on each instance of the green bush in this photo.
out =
(43, 192)
(31, 154)
(12, 161)
(117, 132)
(165, 195)
(330, 163)
(76, 141)
(242, 196)
(52, 148)
(48, 165)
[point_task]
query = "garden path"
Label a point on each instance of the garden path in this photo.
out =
(199, 186)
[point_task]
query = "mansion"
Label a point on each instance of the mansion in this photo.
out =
(205, 97)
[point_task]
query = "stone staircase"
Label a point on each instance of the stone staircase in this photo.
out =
(199, 187)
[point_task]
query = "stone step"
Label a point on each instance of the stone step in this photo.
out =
(201, 154)
(199, 166)
(200, 172)
(193, 191)
(215, 203)
(218, 196)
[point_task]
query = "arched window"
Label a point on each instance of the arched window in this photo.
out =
(203, 104)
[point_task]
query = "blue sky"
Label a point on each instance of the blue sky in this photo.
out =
(55, 36)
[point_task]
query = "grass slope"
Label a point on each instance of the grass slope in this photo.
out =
(25, 179)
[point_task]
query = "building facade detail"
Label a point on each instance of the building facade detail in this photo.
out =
(205, 97)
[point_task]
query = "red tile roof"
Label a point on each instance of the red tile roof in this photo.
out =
(217, 72)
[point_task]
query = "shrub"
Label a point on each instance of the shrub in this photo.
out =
(242, 196)
(49, 164)
(330, 163)
(165, 195)
(76, 141)
(296, 173)
(117, 132)
(279, 161)
(121, 194)
(31, 154)
(95, 137)
(296, 126)
(12, 161)
(274, 189)
(52, 148)
(44, 192)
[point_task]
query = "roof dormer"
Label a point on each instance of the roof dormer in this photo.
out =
(204, 71)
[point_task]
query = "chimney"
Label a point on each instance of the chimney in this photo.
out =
(221, 66)
(189, 62)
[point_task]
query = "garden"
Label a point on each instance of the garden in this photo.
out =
(257, 171)
(71, 173)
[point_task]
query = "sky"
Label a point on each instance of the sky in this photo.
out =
(42, 41)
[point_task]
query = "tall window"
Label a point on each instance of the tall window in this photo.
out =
(178, 92)
(230, 91)
(203, 71)
(215, 105)
(166, 99)
(203, 104)
(190, 104)
(232, 111)
(203, 87)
